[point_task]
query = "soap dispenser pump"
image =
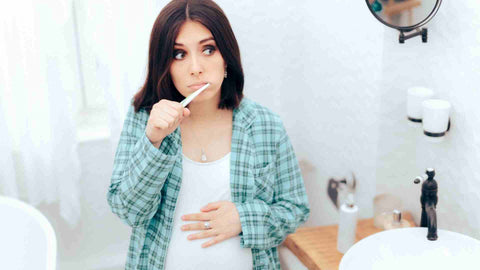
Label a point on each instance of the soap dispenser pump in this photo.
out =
(347, 225)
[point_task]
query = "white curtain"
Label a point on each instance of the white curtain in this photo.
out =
(114, 38)
(38, 82)
(49, 51)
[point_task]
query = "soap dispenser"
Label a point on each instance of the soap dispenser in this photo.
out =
(395, 221)
(347, 225)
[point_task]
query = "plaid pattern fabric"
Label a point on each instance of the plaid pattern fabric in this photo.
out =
(266, 186)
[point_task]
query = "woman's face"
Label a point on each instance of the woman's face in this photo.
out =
(196, 61)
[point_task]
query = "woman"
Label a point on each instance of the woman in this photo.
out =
(214, 185)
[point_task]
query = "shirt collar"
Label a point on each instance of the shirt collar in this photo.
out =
(244, 114)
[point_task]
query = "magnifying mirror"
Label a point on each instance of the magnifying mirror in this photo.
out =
(405, 15)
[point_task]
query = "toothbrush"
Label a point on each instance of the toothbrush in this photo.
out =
(193, 95)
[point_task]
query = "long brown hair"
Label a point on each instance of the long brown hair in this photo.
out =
(158, 83)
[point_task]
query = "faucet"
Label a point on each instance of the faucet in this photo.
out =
(429, 201)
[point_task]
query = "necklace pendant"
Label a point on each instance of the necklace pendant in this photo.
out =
(204, 157)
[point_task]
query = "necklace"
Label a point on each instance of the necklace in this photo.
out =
(202, 149)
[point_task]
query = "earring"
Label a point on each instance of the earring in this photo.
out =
(225, 74)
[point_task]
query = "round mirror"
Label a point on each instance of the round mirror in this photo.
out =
(404, 15)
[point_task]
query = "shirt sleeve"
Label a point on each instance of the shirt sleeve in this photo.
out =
(139, 172)
(267, 225)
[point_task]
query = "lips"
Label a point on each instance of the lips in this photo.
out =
(196, 86)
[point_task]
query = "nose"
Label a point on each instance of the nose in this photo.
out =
(196, 66)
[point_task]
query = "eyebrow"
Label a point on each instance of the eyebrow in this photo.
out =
(201, 41)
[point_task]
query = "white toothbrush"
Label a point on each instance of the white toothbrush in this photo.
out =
(193, 95)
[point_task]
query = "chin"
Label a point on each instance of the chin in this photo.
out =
(204, 98)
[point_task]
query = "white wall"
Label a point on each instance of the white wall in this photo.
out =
(450, 65)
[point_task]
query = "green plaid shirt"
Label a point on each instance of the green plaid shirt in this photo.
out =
(266, 186)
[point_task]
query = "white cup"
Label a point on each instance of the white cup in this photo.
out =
(436, 117)
(416, 95)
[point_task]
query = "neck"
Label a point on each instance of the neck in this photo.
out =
(204, 111)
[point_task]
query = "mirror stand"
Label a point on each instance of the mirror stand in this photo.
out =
(423, 32)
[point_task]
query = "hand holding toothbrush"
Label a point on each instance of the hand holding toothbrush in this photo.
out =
(166, 115)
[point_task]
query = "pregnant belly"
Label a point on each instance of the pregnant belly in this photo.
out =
(188, 254)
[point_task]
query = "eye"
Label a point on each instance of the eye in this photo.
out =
(178, 54)
(209, 50)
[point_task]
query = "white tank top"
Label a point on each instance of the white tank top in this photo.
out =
(203, 183)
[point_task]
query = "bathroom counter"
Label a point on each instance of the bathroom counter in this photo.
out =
(316, 247)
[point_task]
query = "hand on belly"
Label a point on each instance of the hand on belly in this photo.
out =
(223, 219)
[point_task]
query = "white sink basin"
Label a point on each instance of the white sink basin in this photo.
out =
(409, 248)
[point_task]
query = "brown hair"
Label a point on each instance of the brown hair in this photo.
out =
(158, 83)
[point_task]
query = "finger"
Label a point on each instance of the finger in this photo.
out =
(186, 112)
(219, 238)
(176, 106)
(194, 226)
(176, 117)
(178, 111)
(201, 235)
(160, 124)
(161, 104)
(197, 217)
(167, 118)
(170, 111)
(211, 206)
